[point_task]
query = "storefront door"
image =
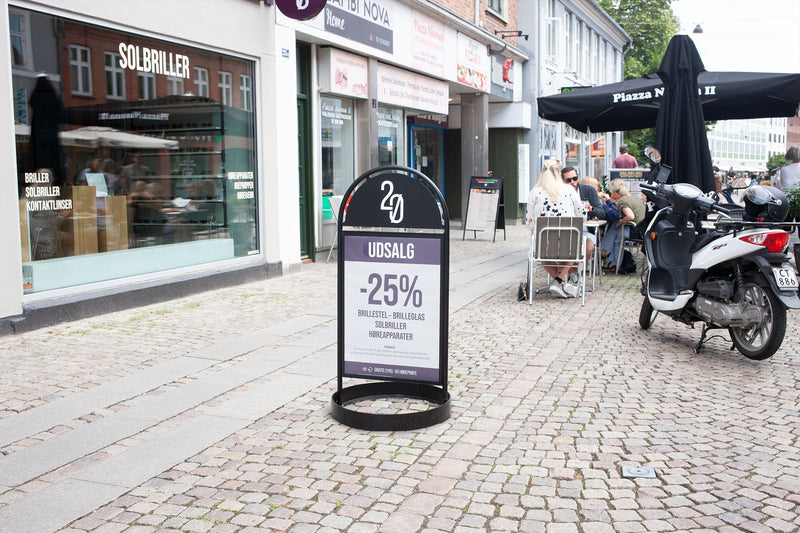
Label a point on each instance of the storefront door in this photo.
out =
(304, 172)
(427, 155)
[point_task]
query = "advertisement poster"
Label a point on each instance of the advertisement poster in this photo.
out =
(427, 45)
(392, 304)
(474, 67)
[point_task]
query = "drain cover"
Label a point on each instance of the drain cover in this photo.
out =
(638, 471)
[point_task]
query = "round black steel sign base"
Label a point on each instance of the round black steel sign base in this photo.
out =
(390, 422)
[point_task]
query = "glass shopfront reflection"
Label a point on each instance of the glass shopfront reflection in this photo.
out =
(390, 136)
(122, 170)
(338, 144)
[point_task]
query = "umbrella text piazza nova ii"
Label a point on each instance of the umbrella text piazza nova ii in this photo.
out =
(633, 104)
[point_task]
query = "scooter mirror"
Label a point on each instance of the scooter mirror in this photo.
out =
(652, 154)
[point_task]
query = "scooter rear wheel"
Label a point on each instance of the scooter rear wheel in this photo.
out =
(762, 340)
(647, 315)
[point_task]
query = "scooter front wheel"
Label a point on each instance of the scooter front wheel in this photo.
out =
(647, 315)
(762, 340)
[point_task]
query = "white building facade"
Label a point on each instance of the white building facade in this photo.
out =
(577, 45)
(746, 145)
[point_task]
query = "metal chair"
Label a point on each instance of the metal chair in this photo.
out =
(634, 239)
(557, 241)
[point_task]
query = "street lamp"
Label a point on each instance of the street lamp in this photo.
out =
(698, 29)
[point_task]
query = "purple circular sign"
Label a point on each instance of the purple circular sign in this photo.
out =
(301, 9)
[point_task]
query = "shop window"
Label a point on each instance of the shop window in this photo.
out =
(390, 136)
(123, 185)
(338, 144)
(225, 88)
(115, 77)
(246, 90)
(201, 81)
(147, 85)
(80, 70)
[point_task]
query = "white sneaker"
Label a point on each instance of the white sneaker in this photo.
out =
(555, 288)
(571, 289)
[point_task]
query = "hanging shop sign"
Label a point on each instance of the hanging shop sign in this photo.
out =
(343, 73)
(473, 67)
(301, 9)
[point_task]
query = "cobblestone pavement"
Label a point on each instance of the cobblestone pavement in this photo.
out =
(176, 417)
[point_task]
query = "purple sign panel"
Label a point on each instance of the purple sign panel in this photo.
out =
(392, 307)
(301, 9)
(358, 29)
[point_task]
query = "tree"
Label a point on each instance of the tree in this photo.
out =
(775, 162)
(650, 24)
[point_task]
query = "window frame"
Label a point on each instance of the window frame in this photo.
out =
(80, 66)
(225, 89)
(201, 82)
(117, 76)
(147, 80)
(175, 86)
(246, 91)
(26, 48)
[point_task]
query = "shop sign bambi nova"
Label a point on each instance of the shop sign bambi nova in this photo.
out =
(153, 60)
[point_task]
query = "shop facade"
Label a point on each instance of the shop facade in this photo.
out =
(389, 78)
(148, 152)
(140, 150)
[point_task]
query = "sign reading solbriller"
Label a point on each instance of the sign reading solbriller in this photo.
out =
(391, 290)
(301, 9)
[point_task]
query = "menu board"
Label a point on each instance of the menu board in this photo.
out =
(484, 204)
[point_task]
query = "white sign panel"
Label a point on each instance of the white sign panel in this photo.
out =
(427, 45)
(474, 66)
(392, 294)
(405, 89)
(343, 73)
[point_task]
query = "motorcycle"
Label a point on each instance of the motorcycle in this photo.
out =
(732, 273)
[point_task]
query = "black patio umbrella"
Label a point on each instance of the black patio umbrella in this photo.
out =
(680, 126)
(633, 104)
(45, 121)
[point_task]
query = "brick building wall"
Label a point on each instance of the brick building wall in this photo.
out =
(488, 19)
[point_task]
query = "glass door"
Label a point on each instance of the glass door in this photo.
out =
(427, 154)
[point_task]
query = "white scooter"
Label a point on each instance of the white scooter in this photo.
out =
(734, 274)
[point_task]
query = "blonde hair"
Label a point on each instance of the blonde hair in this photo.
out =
(550, 180)
(591, 182)
(619, 186)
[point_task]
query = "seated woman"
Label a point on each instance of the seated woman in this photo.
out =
(631, 209)
(551, 197)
